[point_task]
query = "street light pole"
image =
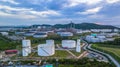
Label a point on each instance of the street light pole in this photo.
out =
(57, 64)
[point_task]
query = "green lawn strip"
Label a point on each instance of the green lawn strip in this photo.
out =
(61, 53)
(110, 49)
(76, 53)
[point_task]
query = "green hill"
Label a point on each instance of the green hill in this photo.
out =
(84, 26)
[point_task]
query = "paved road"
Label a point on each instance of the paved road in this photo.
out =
(92, 54)
(109, 56)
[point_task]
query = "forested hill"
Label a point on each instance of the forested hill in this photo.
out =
(78, 26)
(84, 26)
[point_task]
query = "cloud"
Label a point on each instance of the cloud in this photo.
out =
(21, 16)
(90, 11)
(13, 9)
(88, 3)
(38, 2)
(72, 3)
(10, 1)
(4, 14)
(26, 12)
(95, 16)
(112, 1)
(45, 13)
(19, 12)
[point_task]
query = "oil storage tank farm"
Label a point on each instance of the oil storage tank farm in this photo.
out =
(46, 50)
(68, 43)
(26, 47)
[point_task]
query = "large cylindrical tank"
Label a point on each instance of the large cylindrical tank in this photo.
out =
(46, 50)
(25, 51)
(26, 43)
(68, 43)
(50, 42)
(95, 40)
(26, 46)
(78, 46)
(88, 38)
(101, 37)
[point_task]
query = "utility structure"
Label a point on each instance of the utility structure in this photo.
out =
(72, 25)
(26, 47)
(78, 46)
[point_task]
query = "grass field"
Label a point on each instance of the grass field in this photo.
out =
(7, 45)
(76, 53)
(113, 50)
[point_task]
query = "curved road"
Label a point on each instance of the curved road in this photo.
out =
(109, 56)
(95, 54)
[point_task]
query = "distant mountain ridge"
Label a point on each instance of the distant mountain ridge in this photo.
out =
(70, 25)
(79, 26)
(84, 26)
(117, 26)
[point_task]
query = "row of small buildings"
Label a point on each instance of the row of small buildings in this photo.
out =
(62, 32)
(44, 34)
(101, 37)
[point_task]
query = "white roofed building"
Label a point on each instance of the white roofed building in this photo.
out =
(101, 30)
(97, 38)
(4, 33)
(65, 33)
(29, 33)
(40, 35)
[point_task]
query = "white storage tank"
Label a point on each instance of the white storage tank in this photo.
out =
(29, 33)
(94, 40)
(40, 35)
(50, 42)
(26, 43)
(88, 38)
(78, 46)
(4, 33)
(46, 50)
(26, 46)
(101, 37)
(25, 51)
(1, 56)
(68, 43)
(65, 33)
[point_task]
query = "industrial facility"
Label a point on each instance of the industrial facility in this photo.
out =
(48, 49)
(101, 37)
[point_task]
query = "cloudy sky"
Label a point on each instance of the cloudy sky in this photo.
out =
(28, 12)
